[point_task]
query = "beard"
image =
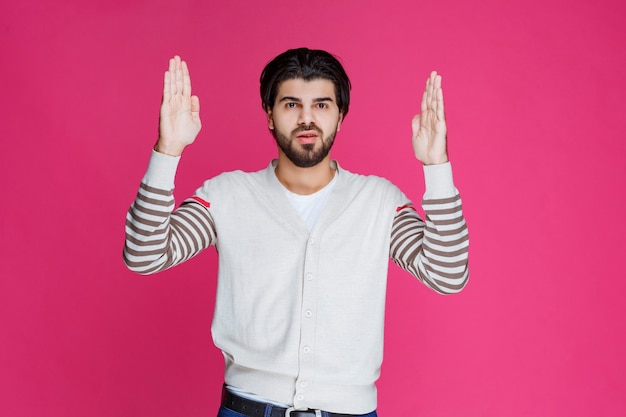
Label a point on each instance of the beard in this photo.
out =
(304, 155)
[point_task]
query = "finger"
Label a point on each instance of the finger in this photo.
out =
(441, 115)
(424, 105)
(172, 76)
(186, 80)
(433, 89)
(166, 87)
(429, 91)
(167, 80)
(179, 76)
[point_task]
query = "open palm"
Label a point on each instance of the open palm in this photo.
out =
(429, 127)
(179, 122)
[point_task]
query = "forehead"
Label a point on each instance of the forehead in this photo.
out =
(303, 89)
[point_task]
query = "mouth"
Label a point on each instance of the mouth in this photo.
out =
(307, 134)
(307, 137)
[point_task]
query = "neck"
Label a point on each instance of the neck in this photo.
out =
(303, 181)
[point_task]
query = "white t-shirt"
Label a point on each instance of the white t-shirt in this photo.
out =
(310, 206)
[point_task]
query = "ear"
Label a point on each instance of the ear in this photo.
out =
(270, 119)
(339, 122)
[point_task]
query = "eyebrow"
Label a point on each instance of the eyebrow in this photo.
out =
(297, 100)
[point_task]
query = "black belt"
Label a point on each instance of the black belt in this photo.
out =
(253, 408)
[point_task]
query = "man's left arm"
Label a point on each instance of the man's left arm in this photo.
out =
(434, 251)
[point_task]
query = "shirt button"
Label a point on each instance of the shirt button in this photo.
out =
(304, 384)
(306, 349)
(308, 313)
(311, 241)
(309, 276)
(300, 397)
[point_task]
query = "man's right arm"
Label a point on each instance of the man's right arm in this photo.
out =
(156, 237)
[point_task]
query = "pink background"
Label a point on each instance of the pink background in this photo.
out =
(537, 120)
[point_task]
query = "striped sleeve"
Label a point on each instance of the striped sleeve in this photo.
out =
(434, 251)
(157, 238)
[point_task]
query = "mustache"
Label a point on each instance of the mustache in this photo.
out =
(307, 128)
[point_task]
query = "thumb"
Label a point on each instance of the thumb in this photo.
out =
(195, 104)
(416, 123)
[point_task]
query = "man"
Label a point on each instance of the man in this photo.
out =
(303, 244)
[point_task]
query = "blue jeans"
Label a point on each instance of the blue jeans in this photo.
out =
(225, 412)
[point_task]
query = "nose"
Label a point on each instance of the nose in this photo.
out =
(305, 116)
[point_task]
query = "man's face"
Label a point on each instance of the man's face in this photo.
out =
(305, 119)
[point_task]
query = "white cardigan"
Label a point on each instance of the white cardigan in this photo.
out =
(299, 316)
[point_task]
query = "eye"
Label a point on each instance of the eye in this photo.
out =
(322, 105)
(291, 105)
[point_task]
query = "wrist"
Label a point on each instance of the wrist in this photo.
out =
(438, 161)
(168, 149)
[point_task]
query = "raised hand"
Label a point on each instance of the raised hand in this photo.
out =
(429, 127)
(179, 122)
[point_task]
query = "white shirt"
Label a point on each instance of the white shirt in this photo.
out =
(310, 206)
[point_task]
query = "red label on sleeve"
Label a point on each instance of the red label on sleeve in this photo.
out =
(201, 201)
(406, 206)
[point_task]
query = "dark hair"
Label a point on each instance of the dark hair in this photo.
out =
(308, 64)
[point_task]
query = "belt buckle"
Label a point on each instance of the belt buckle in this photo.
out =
(302, 413)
